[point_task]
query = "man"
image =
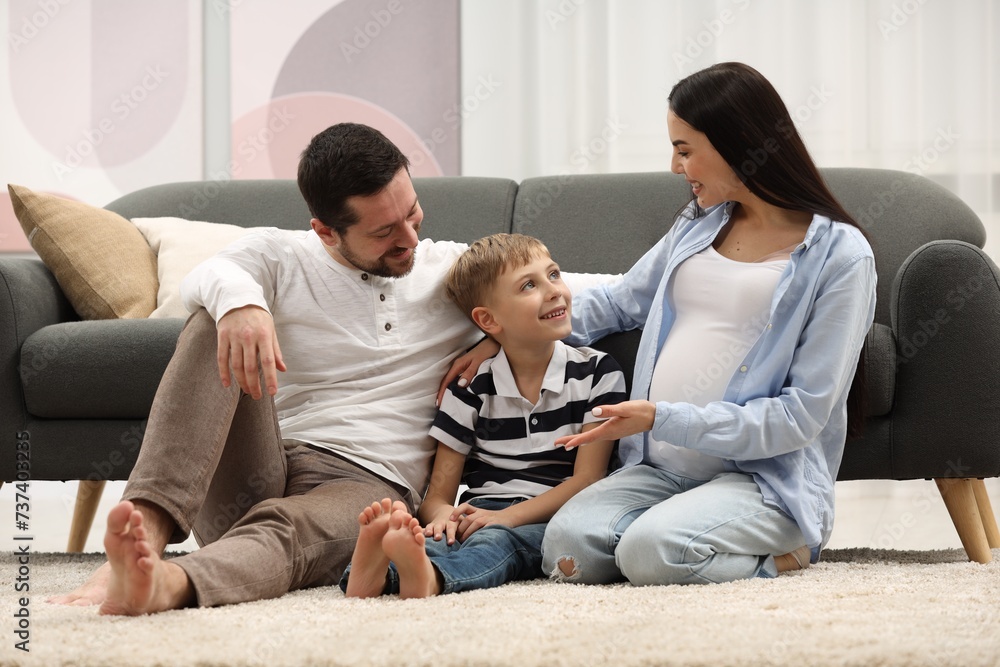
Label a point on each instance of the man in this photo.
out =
(272, 487)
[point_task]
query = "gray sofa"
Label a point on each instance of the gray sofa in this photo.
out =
(80, 391)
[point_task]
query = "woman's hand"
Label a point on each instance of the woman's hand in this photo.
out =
(467, 365)
(624, 419)
(471, 518)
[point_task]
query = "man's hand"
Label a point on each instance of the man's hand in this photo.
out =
(467, 364)
(246, 335)
(623, 419)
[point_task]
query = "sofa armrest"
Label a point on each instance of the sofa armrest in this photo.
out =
(30, 298)
(945, 312)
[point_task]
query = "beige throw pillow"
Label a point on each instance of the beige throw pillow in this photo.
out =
(180, 245)
(101, 261)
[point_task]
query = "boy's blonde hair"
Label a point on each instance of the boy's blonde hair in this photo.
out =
(475, 272)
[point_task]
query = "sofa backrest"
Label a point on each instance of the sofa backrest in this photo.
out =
(591, 223)
(615, 218)
(456, 208)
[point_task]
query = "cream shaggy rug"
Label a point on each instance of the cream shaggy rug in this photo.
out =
(857, 607)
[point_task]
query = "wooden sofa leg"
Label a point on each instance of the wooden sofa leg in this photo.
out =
(986, 512)
(88, 496)
(960, 499)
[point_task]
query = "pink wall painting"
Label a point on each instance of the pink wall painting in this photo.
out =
(297, 69)
(104, 97)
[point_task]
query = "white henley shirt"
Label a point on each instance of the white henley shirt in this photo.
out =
(365, 354)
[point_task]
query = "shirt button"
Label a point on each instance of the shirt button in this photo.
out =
(387, 326)
(381, 297)
(364, 276)
(743, 369)
(534, 421)
(769, 325)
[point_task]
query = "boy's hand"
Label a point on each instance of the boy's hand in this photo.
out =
(467, 365)
(623, 419)
(471, 518)
(442, 526)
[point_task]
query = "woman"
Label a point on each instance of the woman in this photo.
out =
(754, 309)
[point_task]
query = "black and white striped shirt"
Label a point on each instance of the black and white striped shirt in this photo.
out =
(507, 440)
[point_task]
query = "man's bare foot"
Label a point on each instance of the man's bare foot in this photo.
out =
(404, 544)
(793, 560)
(140, 582)
(369, 563)
(93, 591)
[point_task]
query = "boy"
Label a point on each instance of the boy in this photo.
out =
(497, 436)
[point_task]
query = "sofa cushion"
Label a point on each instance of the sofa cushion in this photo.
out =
(101, 261)
(180, 245)
(108, 369)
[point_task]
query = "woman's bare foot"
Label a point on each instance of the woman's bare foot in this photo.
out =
(404, 544)
(793, 560)
(140, 582)
(93, 591)
(369, 563)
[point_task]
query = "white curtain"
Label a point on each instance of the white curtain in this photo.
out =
(580, 86)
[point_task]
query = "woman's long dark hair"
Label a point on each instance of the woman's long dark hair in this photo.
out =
(744, 118)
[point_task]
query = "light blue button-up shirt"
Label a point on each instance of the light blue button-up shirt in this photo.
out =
(783, 418)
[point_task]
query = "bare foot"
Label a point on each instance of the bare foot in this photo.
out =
(404, 544)
(140, 582)
(369, 563)
(93, 591)
(793, 560)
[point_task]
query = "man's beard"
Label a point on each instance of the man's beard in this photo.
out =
(379, 267)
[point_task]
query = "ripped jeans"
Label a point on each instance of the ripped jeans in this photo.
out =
(649, 526)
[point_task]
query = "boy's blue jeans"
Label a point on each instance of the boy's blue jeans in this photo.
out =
(490, 557)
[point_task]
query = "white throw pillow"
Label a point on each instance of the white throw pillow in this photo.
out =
(179, 246)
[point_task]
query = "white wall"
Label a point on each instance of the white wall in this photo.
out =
(898, 84)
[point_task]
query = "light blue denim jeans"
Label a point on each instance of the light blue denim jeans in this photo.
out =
(491, 556)
(650, 527)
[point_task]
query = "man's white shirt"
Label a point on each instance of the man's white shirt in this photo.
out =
(365, 354)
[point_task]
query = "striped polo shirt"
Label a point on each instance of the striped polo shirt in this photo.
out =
(508, 441)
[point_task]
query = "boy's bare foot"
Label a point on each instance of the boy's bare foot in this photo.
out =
(404, 544)
(793, 560)
(140, 582)
(93, 591)
(369, 563)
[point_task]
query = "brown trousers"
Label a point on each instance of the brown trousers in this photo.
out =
(271, 515)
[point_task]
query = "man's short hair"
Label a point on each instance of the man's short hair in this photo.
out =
(476, 271)
(346, 160)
